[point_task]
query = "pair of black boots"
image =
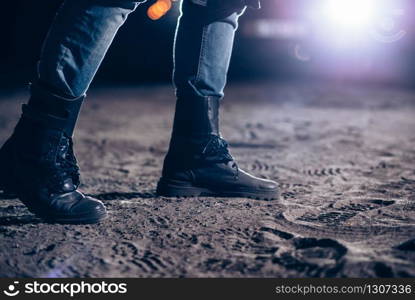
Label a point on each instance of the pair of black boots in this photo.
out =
(38, 165)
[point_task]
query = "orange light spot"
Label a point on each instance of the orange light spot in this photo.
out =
(159, 9)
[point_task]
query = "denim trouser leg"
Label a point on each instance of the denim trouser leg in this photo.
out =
(78, 41)
(203, 48)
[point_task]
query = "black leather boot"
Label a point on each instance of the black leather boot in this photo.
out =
(198, 162)
(37, 162)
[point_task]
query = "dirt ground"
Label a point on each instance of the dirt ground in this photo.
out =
(344, 157)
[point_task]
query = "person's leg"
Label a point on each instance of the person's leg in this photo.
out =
(77, 42)
(37, 162)
(198, 161)
(203, 48)
(73, 50)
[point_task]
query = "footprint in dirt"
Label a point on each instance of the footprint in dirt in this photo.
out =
(341, 211)
(232, 266)
(330, 224)
(362, 205)
(333, 218)
(323, 172)
(128, 255)
(313, 257)
(160, 222)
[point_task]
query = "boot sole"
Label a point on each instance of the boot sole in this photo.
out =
(69, 219)
(10, 191)
(57, 219)
(10, 194)
(77, 221)
(188, 191)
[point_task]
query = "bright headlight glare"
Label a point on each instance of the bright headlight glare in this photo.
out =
(350, 13)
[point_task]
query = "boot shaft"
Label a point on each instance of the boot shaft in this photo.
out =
(43, 134)
(50, 109)
(196, 136)
(196, 117)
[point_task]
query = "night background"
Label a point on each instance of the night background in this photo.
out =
(286, 40)
(320, 99)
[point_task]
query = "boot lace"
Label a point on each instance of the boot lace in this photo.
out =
(65, 166)
(216, 150)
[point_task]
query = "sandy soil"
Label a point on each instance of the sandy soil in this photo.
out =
(344, 157)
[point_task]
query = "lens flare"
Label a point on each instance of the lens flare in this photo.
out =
(159, 9)
(352, 14)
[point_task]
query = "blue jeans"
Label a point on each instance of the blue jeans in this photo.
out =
(83, 31)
